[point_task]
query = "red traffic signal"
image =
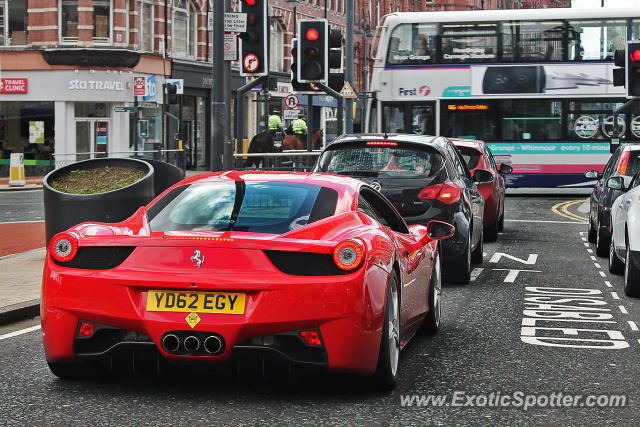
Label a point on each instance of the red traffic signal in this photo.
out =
(633, 69)
(312, 34)
(635, 55)
(313, 52)
(253, 42)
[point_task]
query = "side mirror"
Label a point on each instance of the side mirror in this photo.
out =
(439, 230)
(505, 168)
(482, 176)
(592, 174)
(616, 183)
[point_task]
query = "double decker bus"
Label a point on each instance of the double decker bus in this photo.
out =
(535, 84)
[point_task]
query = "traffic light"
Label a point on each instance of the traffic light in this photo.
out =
(335, 48)
(295, 84)
(171, 92)
(143, 128)
(619, 74)
(253, 42)
(633, 69)
(313, 51)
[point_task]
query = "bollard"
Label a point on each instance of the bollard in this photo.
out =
(16, 170)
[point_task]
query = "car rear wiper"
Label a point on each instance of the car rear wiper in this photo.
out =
(359, 173)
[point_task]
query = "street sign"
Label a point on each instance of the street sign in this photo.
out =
(251, 62)
(291, 101)
(178, 83)
(230, 47)
(235, 22)
(125, 109)
(291, 114)
(347, 91)
(139, 86)
(210, 21)
(148, 104)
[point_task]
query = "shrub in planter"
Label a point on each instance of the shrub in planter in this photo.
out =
(114, 188)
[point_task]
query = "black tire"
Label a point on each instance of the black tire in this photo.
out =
(478, 253)
(591, 236)
(75, 370)
(631, 277)
(501, 221)
(431, 323)
(602, 243)
(386, 376)
(460, 271)
(616, 266)
(491, 232)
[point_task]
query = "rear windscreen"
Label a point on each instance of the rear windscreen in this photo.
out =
(471, 157)
(258, 207)
(393, 161)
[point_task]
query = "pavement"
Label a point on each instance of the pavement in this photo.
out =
(32, 183)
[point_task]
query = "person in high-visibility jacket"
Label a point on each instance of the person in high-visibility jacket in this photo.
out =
(275, 123)
(299, 127)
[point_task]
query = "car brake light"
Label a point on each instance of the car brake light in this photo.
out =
(623, 162)
(86, 329)
(382, 144)
(348, 255)
(63, 247)
(311, 338)
(447, 193)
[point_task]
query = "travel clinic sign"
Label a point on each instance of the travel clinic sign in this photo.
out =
(18, 85)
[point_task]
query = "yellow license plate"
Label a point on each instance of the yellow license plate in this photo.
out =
(199, 302)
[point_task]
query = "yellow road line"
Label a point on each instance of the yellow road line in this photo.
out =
(562, 209)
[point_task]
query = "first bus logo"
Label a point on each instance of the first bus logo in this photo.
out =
(423, 90)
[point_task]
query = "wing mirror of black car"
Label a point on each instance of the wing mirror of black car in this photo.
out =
(592, 174)
(439, 230)
(616, 183)
(505, 169)
(482, 175)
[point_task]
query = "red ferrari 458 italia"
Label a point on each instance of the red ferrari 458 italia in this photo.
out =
(309, 269)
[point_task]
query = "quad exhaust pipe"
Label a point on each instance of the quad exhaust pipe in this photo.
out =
(198, 344)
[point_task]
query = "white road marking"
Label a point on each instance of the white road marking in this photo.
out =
(582, 233)
(20, 332)
(597, 265)
(584, 239)
(19, 222)
(623, 310)
(475, 273)
(602, 273)
(513, 273)
(593, 258)
(586, 244)
(614, 295)
(531, 259)
(409, 283)
(607, 283)
(590, 250)
(543, 221)
(632, 325)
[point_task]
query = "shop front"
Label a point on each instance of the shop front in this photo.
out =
(62, 116)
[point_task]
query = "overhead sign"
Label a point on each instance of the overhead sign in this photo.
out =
(230, 47)
(179, 83)
(291, 114)
(291, 101)
(235, 22)
(347, 91)
(139, 86)
(13, 85)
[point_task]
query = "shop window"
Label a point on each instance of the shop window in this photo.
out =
(102, 21)
(27, 127)
(184, 24)
(276, 60)
(13, 23)
(69, 21)
(146, 25)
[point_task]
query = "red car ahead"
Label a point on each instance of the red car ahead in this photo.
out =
(478, 156)
(307, 268)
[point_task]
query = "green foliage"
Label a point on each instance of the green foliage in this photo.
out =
(98, 180)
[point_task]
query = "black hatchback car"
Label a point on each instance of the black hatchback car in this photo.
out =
(425, 178)
(624, 162)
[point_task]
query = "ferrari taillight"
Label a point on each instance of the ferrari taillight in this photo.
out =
(623, 162)
(448, 193)
(63, 247)
(348, 255)
(86, 329)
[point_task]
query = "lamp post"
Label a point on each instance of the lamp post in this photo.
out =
(364, 29)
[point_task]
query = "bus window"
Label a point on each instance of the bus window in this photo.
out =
(393, 116)
(412, 44)
(593, 119)
(532, 41)
(597, 39)
(472, 120)
(535, 119)
(463, 43)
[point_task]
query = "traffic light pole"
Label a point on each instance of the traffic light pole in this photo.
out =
(240, 105)
(217, 87)
(340, 100)
(349, 63)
